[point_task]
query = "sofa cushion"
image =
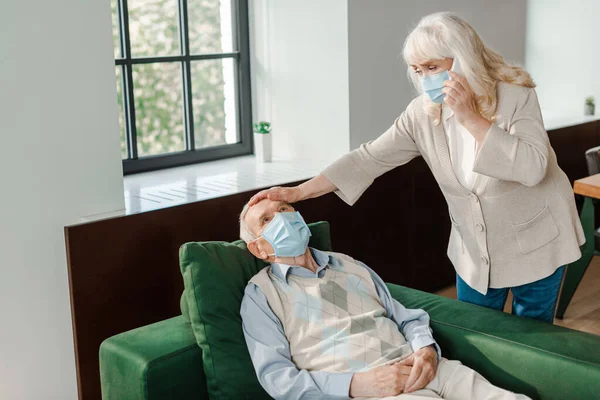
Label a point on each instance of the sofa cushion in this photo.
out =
(215, 275)
(523, 355)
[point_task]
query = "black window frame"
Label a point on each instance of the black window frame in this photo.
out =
(134, 164)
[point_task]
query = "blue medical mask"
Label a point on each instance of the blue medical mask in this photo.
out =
(433, 85)
(288, 234)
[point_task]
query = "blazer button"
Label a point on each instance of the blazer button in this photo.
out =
(485, 260)
(479, 227)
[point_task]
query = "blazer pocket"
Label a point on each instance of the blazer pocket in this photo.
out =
(537, 232)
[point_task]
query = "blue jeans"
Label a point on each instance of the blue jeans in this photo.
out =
(535, 300)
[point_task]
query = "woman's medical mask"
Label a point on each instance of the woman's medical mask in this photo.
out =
(433, 85)
(288, 234)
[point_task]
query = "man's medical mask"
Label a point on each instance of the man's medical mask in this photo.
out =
(288, 234)
(433, 85)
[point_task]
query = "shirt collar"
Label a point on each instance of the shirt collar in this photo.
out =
(281, 270)
(446, 112)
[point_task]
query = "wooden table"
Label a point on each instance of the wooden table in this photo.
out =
(590, 188)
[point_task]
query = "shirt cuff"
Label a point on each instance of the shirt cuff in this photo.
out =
(424, 341)
(339, 384)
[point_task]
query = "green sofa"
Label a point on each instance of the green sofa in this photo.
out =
(201, 354)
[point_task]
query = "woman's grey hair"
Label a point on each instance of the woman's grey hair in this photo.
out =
(245, 234)
(446, 35)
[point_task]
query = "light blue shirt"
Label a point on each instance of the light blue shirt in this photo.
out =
(270, 349)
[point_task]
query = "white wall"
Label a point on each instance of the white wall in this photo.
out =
(59, 161)
(329, 75)
(379, 88)
(300, 75)
(563, 54)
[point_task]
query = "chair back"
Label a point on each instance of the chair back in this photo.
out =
(592, 158)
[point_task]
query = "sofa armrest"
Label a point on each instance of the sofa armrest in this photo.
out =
(531, 357)
(157, 361)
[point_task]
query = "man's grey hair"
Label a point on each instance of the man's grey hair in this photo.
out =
(245, 234)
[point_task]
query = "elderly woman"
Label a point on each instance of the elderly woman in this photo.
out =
(514, 220)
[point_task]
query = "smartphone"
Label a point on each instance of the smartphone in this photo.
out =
(456, 67)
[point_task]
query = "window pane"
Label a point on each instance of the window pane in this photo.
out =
(121, 112)
(158, 93)
(153, 28)
(214, 103)
(210, 26)
(115, 24)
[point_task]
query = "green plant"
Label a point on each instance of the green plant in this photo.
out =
(262, 127)
(589, 101)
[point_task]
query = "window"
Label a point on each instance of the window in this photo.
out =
(183, 81)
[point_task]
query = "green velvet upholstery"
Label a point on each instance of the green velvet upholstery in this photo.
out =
(154, 362)
(175, 360)
(541, 360)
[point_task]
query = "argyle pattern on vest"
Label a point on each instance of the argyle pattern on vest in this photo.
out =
(335, 323)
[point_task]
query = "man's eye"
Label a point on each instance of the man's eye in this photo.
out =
(284, 208)
(432, 68)
(266, 219)
(418, 71)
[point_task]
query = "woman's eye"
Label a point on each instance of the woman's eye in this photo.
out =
(282, 209)
(266, 219)
(432, 68)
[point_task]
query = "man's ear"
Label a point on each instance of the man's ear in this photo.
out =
(260, 248)
(253, 248)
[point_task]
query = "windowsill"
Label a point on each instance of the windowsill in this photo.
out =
(181, 185)
(175, 186)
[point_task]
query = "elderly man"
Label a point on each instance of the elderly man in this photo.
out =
(322, 325)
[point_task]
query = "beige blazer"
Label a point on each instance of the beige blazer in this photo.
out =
(518, 224)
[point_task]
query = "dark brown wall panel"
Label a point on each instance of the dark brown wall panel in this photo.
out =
(570, 145)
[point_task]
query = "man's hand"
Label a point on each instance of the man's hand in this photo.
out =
(384, 381)
(424, 366)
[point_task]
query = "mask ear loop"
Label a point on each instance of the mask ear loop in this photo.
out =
(268, 255)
